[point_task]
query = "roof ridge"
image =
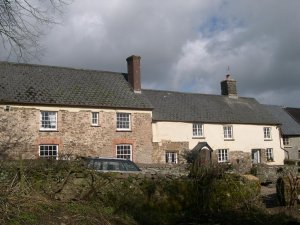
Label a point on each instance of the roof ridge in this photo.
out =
(271, 105)
(59, 67)
(292, 108)
(194, 93)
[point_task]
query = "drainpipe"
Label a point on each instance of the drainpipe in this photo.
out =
(280, 135)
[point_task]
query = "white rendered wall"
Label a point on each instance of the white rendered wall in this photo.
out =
(245, 137)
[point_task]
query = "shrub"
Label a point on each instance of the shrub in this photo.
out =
(234, 192)
(288, 186)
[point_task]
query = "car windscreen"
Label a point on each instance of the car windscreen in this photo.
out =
(129, 166)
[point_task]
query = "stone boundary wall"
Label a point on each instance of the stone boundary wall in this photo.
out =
(176, 170)
(266, 173)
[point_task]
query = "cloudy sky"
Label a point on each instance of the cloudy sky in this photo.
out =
(186, 45)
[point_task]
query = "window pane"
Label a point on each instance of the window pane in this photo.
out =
(123, 120)
(222, 155)
(227, 132)
(197, 129)
(48, 151)
(48, 120)
(267, 132)
(270, 154)
(171, 157)
(95, 118)
(124, 152)
(286, 141)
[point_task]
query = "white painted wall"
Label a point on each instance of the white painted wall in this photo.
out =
(245, 137)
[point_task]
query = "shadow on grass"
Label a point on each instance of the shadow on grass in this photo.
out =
(270, 201)
(256, 217)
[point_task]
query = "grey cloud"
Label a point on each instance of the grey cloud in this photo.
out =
(186, 45)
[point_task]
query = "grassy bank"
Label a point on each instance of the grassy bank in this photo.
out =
(54, 192)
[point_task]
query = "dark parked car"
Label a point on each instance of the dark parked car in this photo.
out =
(111, 164)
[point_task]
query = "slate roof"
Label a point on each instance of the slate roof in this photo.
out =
(295, 113)
(48, 85)
(289, 125)
(189, 107)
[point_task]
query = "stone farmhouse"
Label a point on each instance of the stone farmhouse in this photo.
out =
(61, 112)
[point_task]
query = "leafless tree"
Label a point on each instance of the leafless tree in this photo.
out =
(21, 22)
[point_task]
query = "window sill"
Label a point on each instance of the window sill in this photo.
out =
(268, 139)
(48, 130)
(270, 161)
(124, 130)
(95, 125)
(198, 137)
(229, 139)
(287, 146)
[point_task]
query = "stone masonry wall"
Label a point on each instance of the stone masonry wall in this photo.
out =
(239, 160)
(76, 136)
(160, 148)
(17, 136)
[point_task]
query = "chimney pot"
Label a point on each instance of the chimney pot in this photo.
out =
(134, 72)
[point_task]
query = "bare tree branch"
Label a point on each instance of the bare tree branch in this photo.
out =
(21, 22)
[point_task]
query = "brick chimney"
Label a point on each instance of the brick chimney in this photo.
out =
(228, 87)
(134, 72)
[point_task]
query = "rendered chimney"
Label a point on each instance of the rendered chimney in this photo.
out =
(134, 72)
(228, 87)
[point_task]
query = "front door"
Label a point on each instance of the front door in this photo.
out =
(205, 156)
(255, 156)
